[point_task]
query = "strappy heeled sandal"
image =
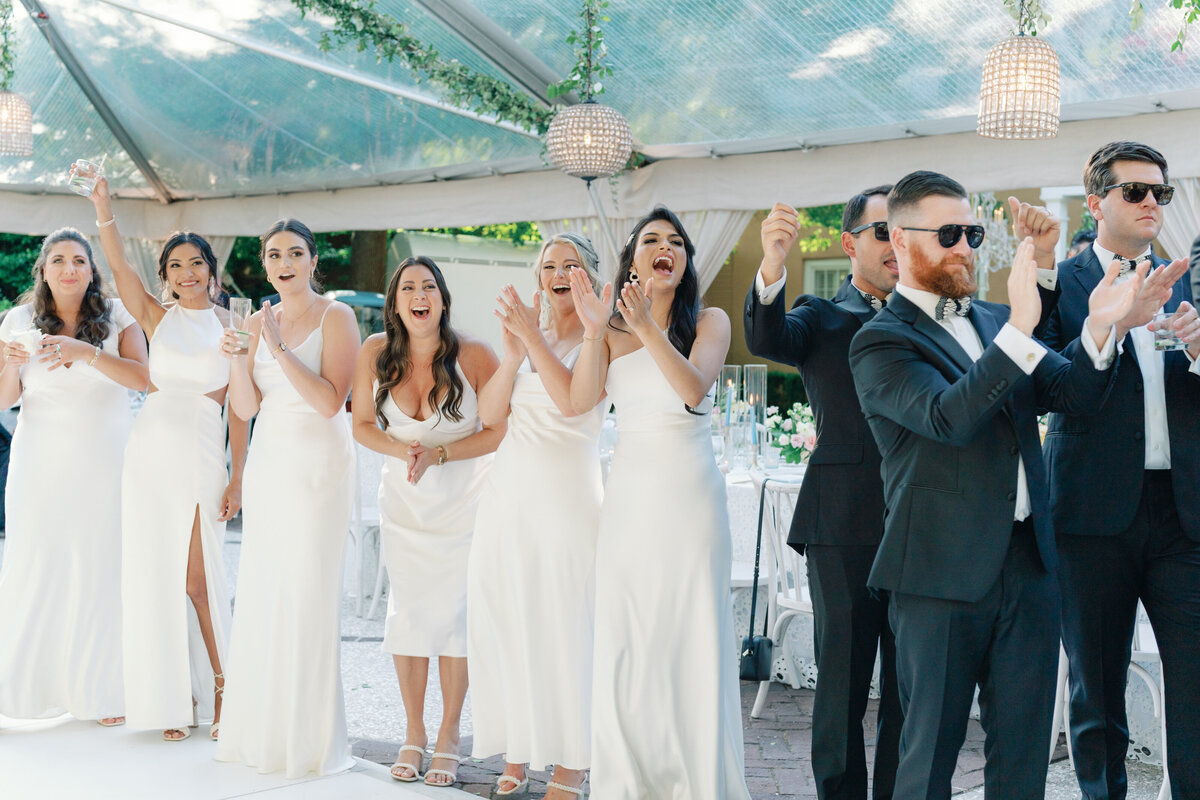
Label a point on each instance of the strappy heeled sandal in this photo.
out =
(416, 771)
(218, 691)
(520, 787)
(110, 722)
(184, 732)
(570, 789)
(453, 776)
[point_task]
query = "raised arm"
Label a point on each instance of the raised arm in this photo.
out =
(690, 377)
(522, 320)
(496, 394)
(591, 370)
(244, 396)
(144, 307)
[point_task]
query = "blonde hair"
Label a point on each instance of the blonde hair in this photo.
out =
(588, 259)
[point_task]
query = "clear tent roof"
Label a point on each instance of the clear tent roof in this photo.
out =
(247, 103)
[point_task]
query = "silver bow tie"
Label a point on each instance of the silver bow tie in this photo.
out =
(956, 305)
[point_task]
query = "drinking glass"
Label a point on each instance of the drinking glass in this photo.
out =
(740, 449)
(1164, 334)
(239, 316)
(87, 173)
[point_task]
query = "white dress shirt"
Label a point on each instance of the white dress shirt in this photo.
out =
(1154, 395)
(1046, 278)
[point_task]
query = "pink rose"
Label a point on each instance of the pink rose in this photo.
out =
(797, 440)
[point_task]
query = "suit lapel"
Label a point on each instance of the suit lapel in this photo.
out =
(850, 299)
(984, 323)
(924, 324)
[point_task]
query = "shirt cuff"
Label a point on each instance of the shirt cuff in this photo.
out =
(1023, 350)
(1047, 278)
(1195, 367)
(1100, 358)
(767, 294)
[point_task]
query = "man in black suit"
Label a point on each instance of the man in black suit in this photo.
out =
(951, 391)
(1125, 486)
(1194, 268)
(839, 512)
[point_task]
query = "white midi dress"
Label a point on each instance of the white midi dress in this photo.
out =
(174, 468)
(284, 709)
(426, 533)
(666, 718)
(60, 583)
(531, 587)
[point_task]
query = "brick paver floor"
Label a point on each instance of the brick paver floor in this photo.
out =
(777, 751)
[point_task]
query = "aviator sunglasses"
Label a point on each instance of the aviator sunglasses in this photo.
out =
(1135, 191)
(881, 230)
(948, 235)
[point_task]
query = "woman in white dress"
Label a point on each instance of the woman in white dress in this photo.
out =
(283, 686)
(176, 493)
(666, 720)
(60, 585)
(530, 580)
(423, 376)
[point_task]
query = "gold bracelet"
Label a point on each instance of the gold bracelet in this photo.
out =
(599, 338)
(100, 224)
(441, 455)
(95, 357)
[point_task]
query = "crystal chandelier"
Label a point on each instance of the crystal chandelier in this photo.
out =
(1019, 95)
(589, 140)
(16, 116)
(999, 244)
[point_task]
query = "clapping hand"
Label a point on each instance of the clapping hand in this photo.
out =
(1023, 297)
(519, 319)
(1186, 324)
(420, 458)
(1109, 303)
(270, 327)
(634, 307)
(1155, 290)
(593, 311)
(1039, 225)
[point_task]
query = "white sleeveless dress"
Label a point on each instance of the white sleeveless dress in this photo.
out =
(426, 534)
(283, 706)
(531, 587)
(174, 465)
(666, 719)
(60, 584)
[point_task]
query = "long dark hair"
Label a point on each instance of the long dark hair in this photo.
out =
(300, 229)
(95, 313)
(206, 252)
(685, 307)
(394, 363)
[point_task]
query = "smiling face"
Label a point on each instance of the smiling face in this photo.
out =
(1128, 228)
(187, 275)
(288, 262)
(659, 253)
(67, 271)
(418, 300)
(925, 264)
(874, 262)
(554, 276)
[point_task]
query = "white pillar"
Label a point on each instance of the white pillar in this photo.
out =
(1056, 198)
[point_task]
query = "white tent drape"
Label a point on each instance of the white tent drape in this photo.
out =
(1181, 222)
(713, 232)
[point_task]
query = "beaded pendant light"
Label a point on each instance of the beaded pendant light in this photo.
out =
(16, 116)
(1019, 96)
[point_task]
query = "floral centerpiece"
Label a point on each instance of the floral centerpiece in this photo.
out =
(795, 433)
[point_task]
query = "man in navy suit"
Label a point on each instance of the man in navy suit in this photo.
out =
(839, 512)
(951, 390)
(1125, 485)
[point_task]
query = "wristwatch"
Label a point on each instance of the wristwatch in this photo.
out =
(282, 346)
(441, 455)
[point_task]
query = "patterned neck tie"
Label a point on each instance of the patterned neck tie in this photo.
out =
(873, 301)
(1128, 265)
(956, 305)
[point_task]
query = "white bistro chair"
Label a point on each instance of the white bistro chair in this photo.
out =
(786, 570)
(364, 517)
(1144, 650)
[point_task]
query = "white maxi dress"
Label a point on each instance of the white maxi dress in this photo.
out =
(426, 533)
(174, 466)
(284, 708)
(666, 718)
(60, 584)
(531, 586)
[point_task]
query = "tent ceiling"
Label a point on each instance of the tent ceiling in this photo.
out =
(257, 108)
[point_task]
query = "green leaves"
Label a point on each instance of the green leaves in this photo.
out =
(1029, 15)
(8, 54)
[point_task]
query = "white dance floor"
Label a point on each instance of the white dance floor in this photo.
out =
(65, 758)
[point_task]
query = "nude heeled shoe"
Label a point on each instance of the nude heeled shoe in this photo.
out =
(185, 732)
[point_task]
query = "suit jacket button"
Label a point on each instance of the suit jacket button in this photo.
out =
(1012, 496)
(1014, 450)
(1138, 435)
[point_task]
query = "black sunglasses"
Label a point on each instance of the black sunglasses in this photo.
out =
(1135, 191)
(881, 230)
(948, 235)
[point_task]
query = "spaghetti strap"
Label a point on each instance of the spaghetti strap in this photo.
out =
(321, 324)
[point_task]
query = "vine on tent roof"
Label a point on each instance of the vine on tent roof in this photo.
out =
(360, 22)
(8, 55)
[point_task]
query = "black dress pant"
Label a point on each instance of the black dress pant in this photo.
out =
(1102, 579)
(850, 626)
(1007, 645)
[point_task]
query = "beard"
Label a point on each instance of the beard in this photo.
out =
(934, 275)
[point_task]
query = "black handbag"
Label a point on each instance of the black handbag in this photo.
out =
(756, 659)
